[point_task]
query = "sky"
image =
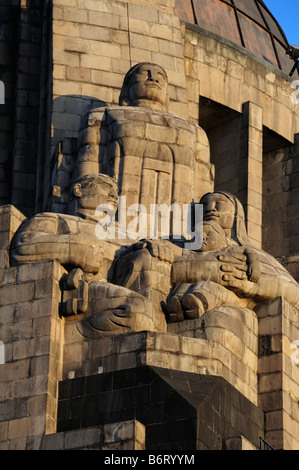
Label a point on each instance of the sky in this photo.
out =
(286, 13)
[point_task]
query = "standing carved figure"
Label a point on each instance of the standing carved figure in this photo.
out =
(155, 157)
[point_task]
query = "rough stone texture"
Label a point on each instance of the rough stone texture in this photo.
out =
(253, 154)
(146, 348)
(223, 343)
(32, 95)
(203, 354)
(232, 338)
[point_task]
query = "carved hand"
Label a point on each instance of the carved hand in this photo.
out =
(239, 275)
(233, 263)
(161, 249)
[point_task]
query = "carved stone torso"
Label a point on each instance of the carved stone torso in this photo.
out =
(156, 157)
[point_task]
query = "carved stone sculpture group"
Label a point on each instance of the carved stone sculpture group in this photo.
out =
(140, 151)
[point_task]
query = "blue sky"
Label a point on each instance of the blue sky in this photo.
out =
(286, 13)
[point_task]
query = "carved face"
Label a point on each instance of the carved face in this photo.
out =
(213, 237)
(218, 208)
(91, 195)
(148, 82)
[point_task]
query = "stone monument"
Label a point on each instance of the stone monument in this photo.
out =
(143, 153)
(149, 312)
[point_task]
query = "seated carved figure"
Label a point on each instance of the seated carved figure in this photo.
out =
(205, 295)
(71, 240)
(238, 274)
(68, 238)
(227, 270)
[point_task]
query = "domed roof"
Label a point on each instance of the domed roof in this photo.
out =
(247, 23)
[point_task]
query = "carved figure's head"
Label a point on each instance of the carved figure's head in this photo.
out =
(145, 84)
(213, 237)
(218, 208)
(227, 211)
(89, 191)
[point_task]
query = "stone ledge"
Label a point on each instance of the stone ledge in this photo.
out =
(126, 435)
(133, 349)
(238, 443)
(234, 359)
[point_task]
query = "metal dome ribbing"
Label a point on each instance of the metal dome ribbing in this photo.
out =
(248, 23)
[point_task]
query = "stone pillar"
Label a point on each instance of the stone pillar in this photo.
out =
(279, 373)
(27, 106)
(31, 332)
(10, 220)
(8, 44)
(251, 169)
(290, 181)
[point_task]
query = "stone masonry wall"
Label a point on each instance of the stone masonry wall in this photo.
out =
(25, 74)
(280, 207)
(228, 75)
(8, 46)
(33, 16)
(31, 332)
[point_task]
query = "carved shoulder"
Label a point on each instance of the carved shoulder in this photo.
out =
(45, 222)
